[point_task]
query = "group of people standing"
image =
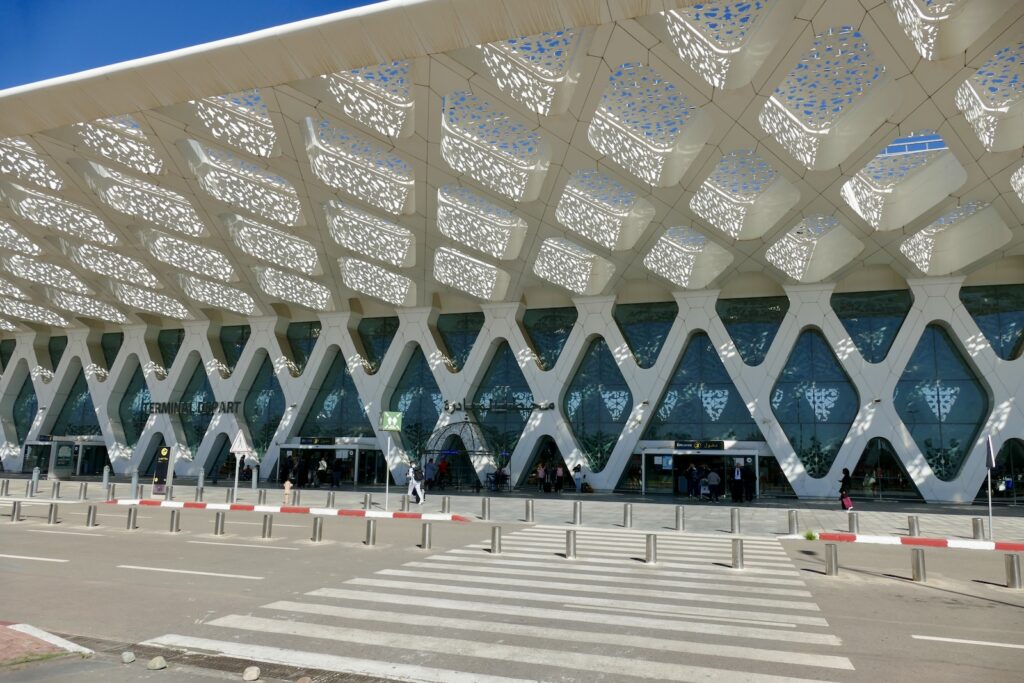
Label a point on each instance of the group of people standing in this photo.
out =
(705, 482)
(554, 478)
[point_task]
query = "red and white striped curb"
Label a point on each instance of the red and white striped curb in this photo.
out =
(294, 509)
(963, 543)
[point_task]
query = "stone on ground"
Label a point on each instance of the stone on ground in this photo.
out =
(251, 673)
(127, 657)
(157, 663)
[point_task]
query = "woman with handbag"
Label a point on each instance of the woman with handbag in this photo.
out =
(844, 490)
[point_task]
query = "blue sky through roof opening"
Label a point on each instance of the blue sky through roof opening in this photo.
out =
(914, 143)
(41, 39)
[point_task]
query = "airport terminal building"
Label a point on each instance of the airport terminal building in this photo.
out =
(628, 236)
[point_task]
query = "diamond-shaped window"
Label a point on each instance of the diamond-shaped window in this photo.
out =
(547, 330)
(169, 342)
(597, 404)
(880, 474)
(872, 319)
(752, 324)
(198, 394)
(380, 283)
(121, 139)
(701, 401)
(133, 410)
(647, 126)
(458, 332)
(503, 402)
(19, 159)
(142, 200)
(478, 223)
(25, 409)
(379, 97)
(240, 119)
(992, 99)
(361, 167)
(263, 407)
(998, 311)
(470, 275)
(55, 348)
(272, 245)
(831, 101)
(603, 210)
(814, 402)
(646, 327)
(419, 399)
(51, 212)
(337, 410)
(492, 147)
(302, 338)
(233, 339)
(293, 288)
(369, 235)
(941, 401)
(539, 71)
(77, 415)
(376, 335)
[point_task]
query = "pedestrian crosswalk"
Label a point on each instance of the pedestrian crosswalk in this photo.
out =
(530, 614)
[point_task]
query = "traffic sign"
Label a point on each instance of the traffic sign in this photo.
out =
(240, 445)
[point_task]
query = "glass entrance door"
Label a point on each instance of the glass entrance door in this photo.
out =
(36, 455)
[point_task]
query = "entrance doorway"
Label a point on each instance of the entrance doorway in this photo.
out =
(680, 473)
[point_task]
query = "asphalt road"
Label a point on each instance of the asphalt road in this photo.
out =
(397, 612)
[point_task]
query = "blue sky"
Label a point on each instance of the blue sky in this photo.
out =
(42, 39)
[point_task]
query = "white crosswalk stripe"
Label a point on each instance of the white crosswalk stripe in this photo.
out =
(530, 614)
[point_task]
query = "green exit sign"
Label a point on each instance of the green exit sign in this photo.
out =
(390, 422)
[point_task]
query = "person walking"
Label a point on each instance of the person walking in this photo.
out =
(414, 480)
(321, 472)
(736, 484)
(577, 477)
(714, 482)
(540, 478)
(845, 484)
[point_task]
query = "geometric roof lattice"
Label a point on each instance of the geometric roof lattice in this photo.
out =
(538, 71)
(289, 287)
(687, 259)
(470, 275)
(365, 234)
(569, 265)
(9, 290)
(239, 119)
(85, 306)
(956, 239)
(189, 255)
(58, 214)
(992, 100)
(121, 139)
(941, 29)
(151, 302)
(376, 96)
(43, 272)
(112, 264)
(377, 282)
(272, 245)
(15, 241)
(32, 313)
(603, 210)
(19, 159)
(814, 249)
(216, 294)
(472, 220)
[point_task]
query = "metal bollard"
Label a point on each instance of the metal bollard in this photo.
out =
(218, 524)
(199, 494)
(854, 522)
(35, 481)
(229, 496)
(734, 518)
(4, 486)
(495, 540)
(261, 497)
(913, 525)
(577, 513)
(680, 518)
(255, 477)
(570, 544)
(133, 518)
(106, 475)
(917, 568)
(425, 537)
(139, 491)
(175, 521)
(201, 480)
(296, 496)
(978, 526)
(28, 489)
(90, 516)
(371, 532)
(529, 510)
(652, 549)
(368, 500)
(446, 505)
(318, 530)
(485, 508)
(1013, 579)
(405, 503)
(330, 499)
(16, 511)
(51, 516)
(55, 491)
(268, 526)
(111, 491)
(83, 490)
(169, 492)
(627, 515)
(794, 522)
(135, 480)
(831, 559)
(737, 553)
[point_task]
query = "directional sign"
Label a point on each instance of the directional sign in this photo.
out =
(391, 422)
(700, 445)
(240, 445)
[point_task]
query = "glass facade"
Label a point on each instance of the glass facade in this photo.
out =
(337, 409)
(132, 410)
(646, 327)
(169, 341)
(872, 319)
(263, 407)
(376, 334)
(458, 333)
(880, 474)
(701, 401)
(233, 339)
(418, 398)
(814, 402)
(26, 405)
(597, 403)
(998, 311)
(77, 416)
(752, 324)
(302, 338)
(6, 351)
(941, 402)
(503, 403)
(1008, 476)
(55, 349)
(111, 343)
(197, 421)
(547, 330)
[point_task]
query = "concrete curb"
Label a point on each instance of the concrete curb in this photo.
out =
(961, 543)
(292, 509)
(45, 636)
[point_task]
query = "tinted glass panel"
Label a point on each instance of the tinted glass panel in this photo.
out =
(133, 409)
(337, 409)
(503, 402)
(1008, 476)
(548, 329)
(377, 335)
(597, 404)
(169, 341)
(77, 416)
(999, 313)
(233, 339)
(198, 394)
(418, 398)
(880, 474)
(872, 319)
(701, 402)
(459, 332)
(941, 402)
(814, 402)
(25, 408)
(752, 324)
(56, 347)
(6, 351)
(302, 338)
(646, 327)
(263, 407)
(111, 343)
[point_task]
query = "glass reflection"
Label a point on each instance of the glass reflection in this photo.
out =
(458, 332)
(418, 398)
(872, 319)
(233, 339)
(880, 474)
(646, 327)
(25, 407)
(503, 403)
(547, 329)
(77, 416)
(998, 310)
(263, 407)
(597, 403)
(196, 421)
(337, 409)
(377, 335)
(133, 410)
(301, 339)
(752, 324)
